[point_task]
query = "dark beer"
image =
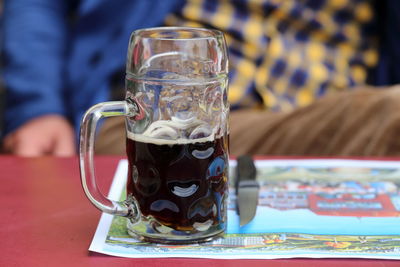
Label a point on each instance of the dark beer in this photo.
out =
(180, 185)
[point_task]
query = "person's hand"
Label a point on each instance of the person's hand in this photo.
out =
(44, 135)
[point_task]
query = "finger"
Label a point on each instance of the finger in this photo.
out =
(25, 148)
(16, 143)
(8, 143)
(64, 146)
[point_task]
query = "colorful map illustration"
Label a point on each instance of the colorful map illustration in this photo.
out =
(307, 208)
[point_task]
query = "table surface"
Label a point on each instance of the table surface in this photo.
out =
(48, 220)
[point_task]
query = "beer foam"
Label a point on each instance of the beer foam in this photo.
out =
(175, 131)
(157, 141)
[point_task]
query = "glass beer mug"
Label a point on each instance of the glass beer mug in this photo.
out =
(176, 113)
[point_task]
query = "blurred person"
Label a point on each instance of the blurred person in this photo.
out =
(299, 72)
(306, 77)
(60, 58)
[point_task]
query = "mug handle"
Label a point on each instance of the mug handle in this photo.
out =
(86, 150)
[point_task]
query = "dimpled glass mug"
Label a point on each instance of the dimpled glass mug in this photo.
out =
(176, 114)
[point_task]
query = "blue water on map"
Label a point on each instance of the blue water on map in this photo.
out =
(269, 220)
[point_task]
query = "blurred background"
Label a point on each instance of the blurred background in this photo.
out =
(61, 57)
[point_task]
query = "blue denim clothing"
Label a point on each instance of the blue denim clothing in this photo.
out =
(388, 21)
(60, 56)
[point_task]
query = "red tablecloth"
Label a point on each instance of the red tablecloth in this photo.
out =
(46, 220)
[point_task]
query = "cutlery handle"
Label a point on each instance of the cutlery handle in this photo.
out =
(245, 171)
